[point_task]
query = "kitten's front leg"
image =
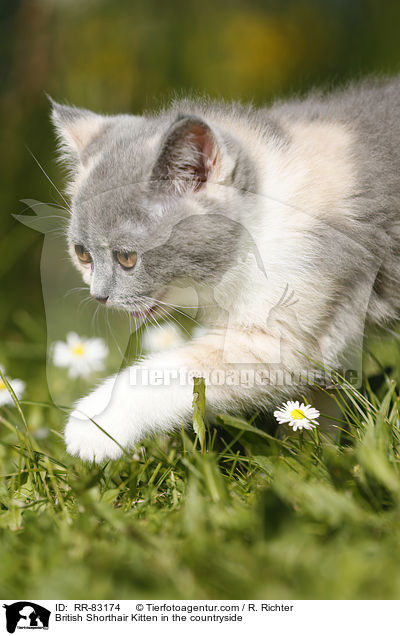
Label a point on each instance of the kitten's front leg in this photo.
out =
(129, 407)
(155, 396)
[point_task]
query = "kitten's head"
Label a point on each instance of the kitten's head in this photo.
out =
(154, 200)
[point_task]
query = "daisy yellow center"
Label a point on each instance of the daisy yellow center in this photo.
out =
(2, 385)
(78, 349)
(297, 414)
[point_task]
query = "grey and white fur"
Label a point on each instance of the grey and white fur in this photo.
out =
(300, 200)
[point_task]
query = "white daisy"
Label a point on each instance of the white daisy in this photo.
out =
(18, 386)
(298, 416)
(162, 337)
(79, 355)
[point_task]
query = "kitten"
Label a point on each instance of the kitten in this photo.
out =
(284, 220)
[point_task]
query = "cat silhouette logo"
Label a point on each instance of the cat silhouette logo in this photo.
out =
(26, 615)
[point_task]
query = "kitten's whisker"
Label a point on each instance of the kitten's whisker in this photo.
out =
(87, 300)
(74, 290)
(48, 178)
(177, 322)
(152, 316)
(113, 336)
(175, 308)
(144, 324)
(140, 353)
(183, 314)
(183, 306)
(130, 332)
(93, 321)
(137, 327)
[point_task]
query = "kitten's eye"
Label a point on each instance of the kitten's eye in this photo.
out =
(127, 260)
(83, 254)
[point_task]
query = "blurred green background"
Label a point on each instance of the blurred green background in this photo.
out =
(129, 56)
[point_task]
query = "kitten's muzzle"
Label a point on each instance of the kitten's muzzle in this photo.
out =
(101, 299)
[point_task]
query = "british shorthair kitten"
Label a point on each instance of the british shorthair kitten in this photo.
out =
(284, 220)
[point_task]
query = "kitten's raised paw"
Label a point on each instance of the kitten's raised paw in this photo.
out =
(86, 440)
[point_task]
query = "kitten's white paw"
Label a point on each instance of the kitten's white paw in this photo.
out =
(128, 411)
(86, 440)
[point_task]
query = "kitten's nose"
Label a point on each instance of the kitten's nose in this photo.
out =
(102, 299)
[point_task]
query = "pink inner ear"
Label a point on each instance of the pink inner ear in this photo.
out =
(205, 155)
(189, 155)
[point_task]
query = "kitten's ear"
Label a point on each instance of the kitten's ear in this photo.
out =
(76, 128)
(188, 158)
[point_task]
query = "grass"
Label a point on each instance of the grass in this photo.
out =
(244, 514)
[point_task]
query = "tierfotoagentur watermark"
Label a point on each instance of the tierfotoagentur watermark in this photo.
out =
(241, 376)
